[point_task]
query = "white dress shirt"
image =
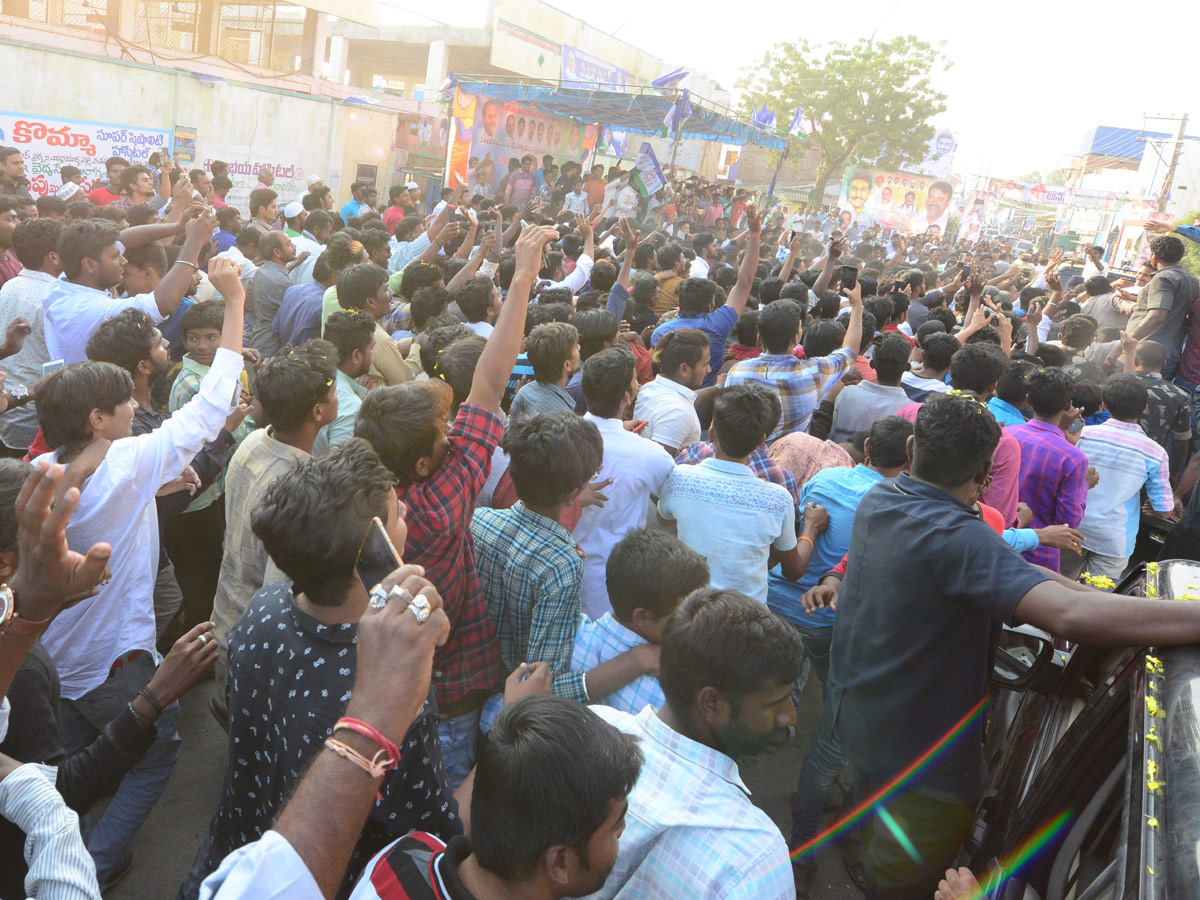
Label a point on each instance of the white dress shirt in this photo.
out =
(577, 279)
(577, 203)
(72, 311)
(266, 869)
(302, 274)
(700, 267)
(60, 867)
(638, 468)
(670, 408)
(117, 505)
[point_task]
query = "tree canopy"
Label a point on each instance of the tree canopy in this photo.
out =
(868, 102)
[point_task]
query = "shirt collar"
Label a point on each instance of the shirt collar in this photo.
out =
(914, 486)
(671, 741)
(1039, 425)
(681, 390)
(349, 383)
(611, 426)
(728, 466)
(344, 633)
(627, 637)
(35, 275)
(1124, 426)
(539, 522)
(1006, 406)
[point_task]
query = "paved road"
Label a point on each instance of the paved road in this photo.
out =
(164, 849)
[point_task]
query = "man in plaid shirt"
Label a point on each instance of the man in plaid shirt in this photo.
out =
(530, 567)
(439, 472)
(800, 383)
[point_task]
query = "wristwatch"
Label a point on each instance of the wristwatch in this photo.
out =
(10, 619)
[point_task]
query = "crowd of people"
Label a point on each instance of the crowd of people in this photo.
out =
(507, 528)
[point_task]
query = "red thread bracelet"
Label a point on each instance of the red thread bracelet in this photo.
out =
(371, 733)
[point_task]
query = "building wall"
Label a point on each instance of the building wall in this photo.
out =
(246, 126)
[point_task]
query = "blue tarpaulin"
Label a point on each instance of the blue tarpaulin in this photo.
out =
(638, 113)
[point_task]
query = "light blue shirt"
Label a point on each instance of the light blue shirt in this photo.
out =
(406, 252)
(1005, 412)
(350, 397)
(839, 490)
(604, 639)
(73, 311)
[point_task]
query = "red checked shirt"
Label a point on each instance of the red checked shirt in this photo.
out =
(439, 538)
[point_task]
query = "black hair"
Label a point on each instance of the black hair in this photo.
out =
(597, 327)
(1077, 331)
(1150, 355)
(335, 494)
(724, 640)
(1126, 397)
(955, 436)
(891, 358)
(148, 256)
(546, 773)
(551, 456)
(604, 276)
(779, 324)
(548, 347)
(1050, 390)
(1095, 286)
(290, 386)
(768, 291)
(1168, 249)
(1088, 397)
(205, 314)
(248, 239)
(668, 257)
(226, 215)
(939, 351)
(417, 274)
(85, 239)
(976, 367)
(349, 330)
(645, 257)
(455, 365)
(261, 198)
(221, 183)
(67, 396)
(474, 297)
(402, 422)
(652, 570)
(358, 284)
(744, 415)
(696, 296)
(827, 306)
(823, 338)
(51, 205)
(440, 333)
(606, 379)
(681, 347)
(124, 340)
(34, 240)
(889, 441)
(428, 303)
(746, 329)
(13, 473)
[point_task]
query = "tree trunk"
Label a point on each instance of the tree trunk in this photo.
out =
(816, 197)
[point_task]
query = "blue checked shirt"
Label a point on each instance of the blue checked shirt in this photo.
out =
(532, 579)
(606, 638)
(691, 830)
(800, 383)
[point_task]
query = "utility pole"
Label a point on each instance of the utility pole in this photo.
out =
(1170, 179)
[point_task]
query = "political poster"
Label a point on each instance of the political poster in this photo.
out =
(487, 133)
(587, 72)
(902, 201)
(648, 176)
(1002, 192)
(939, 156)
(287, 165)
(48, 143)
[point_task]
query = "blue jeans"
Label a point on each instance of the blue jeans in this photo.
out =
(457, 737)
(83, 720)
(825, 759)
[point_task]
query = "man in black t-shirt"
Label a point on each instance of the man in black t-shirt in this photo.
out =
(927, 584)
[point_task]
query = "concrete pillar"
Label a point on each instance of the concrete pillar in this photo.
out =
(437, 67)
(208, 28)
(339, 53)
(312, 43)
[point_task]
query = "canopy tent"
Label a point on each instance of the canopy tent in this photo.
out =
(638, 110)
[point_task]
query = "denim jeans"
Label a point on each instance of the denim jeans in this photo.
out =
(457, 737)
(825, 759)
(110, 834)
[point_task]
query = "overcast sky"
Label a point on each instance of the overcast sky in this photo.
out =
(1022, 90)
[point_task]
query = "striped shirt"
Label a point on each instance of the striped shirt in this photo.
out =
(1052, 481)
(604, 639)
(691, 829)
(801, 384)
(1127, 461)
(60, 867)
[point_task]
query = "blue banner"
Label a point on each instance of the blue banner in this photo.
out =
(586, 72)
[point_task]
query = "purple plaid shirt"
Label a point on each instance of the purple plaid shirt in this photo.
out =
(1052, 481)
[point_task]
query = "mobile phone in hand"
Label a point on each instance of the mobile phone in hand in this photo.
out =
(377, 557)
(849, 277)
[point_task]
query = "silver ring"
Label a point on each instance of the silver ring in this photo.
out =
(402, 595)
(420, 608)
(379, 597)
(203, 639)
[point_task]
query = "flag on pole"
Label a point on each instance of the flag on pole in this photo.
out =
(680, 112)
(763, 118)
(800, 125)
(447, 89)
(670, 80)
